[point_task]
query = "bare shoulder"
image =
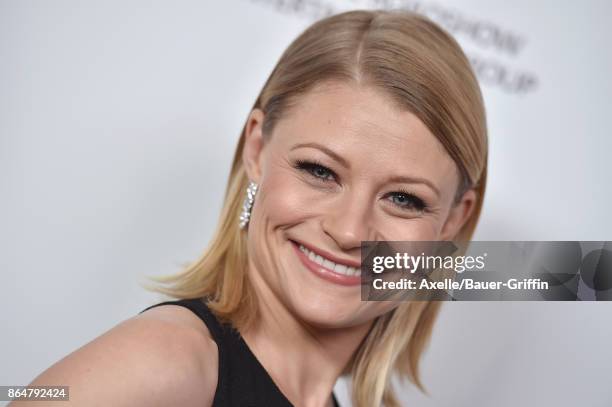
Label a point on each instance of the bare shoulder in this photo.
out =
(163, 356)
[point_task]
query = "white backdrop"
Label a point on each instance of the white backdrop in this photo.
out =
(118, 121)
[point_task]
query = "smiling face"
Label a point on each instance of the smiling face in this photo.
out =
(344, 165)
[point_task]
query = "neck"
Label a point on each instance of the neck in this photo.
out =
(317, 355)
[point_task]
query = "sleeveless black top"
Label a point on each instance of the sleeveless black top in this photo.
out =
(242, 380)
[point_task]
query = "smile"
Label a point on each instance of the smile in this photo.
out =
(330, 265)
(333, 271)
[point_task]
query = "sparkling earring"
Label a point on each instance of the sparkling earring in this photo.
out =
(248, 204)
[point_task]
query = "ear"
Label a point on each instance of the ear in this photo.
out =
(253, 145)
(458, 215)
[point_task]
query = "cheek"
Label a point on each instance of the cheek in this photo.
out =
(414, 230)
(284, 200)
(401, 229)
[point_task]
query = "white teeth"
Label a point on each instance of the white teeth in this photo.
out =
(328, 264)
(340, 268)
(318, 259)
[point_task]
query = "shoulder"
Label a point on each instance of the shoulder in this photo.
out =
(163, 356)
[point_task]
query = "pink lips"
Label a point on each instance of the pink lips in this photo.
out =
(324, 273)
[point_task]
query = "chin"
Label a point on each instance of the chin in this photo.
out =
(323, 305)
(318, 312)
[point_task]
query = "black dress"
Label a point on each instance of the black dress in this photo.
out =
(242, 380)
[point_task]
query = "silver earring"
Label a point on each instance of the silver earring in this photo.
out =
(245, 215)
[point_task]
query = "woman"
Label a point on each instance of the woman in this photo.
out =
(370, 127)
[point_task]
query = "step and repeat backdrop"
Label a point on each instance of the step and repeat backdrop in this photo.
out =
(118, 122)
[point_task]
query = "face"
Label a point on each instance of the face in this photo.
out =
(344, 165)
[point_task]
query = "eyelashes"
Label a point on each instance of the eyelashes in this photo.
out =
(409, 199)
(401, 198)
(315, 169)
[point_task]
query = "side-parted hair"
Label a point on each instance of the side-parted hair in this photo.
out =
(423, 70)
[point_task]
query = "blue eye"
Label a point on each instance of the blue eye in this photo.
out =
(408, 201)
(316, 170)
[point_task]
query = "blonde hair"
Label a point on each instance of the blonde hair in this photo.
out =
(422, 69)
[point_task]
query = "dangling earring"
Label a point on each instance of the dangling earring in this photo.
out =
(245, 215)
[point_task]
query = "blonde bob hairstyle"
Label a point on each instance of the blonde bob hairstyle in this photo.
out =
(423, 70)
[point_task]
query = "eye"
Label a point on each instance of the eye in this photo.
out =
(408, 201)
(316, 169)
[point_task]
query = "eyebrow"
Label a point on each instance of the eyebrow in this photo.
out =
(414, 180)
(344, 163)
(326, 150)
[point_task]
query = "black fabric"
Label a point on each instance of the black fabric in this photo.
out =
(242, 380)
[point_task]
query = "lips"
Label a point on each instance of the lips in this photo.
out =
(331, 269)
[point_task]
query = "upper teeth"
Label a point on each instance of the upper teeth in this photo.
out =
(328, 264)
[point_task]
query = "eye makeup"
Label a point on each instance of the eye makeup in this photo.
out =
(408, 201)
(316, 169)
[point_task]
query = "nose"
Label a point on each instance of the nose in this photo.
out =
(348, 222)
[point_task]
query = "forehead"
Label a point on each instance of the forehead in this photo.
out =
(366, 127)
